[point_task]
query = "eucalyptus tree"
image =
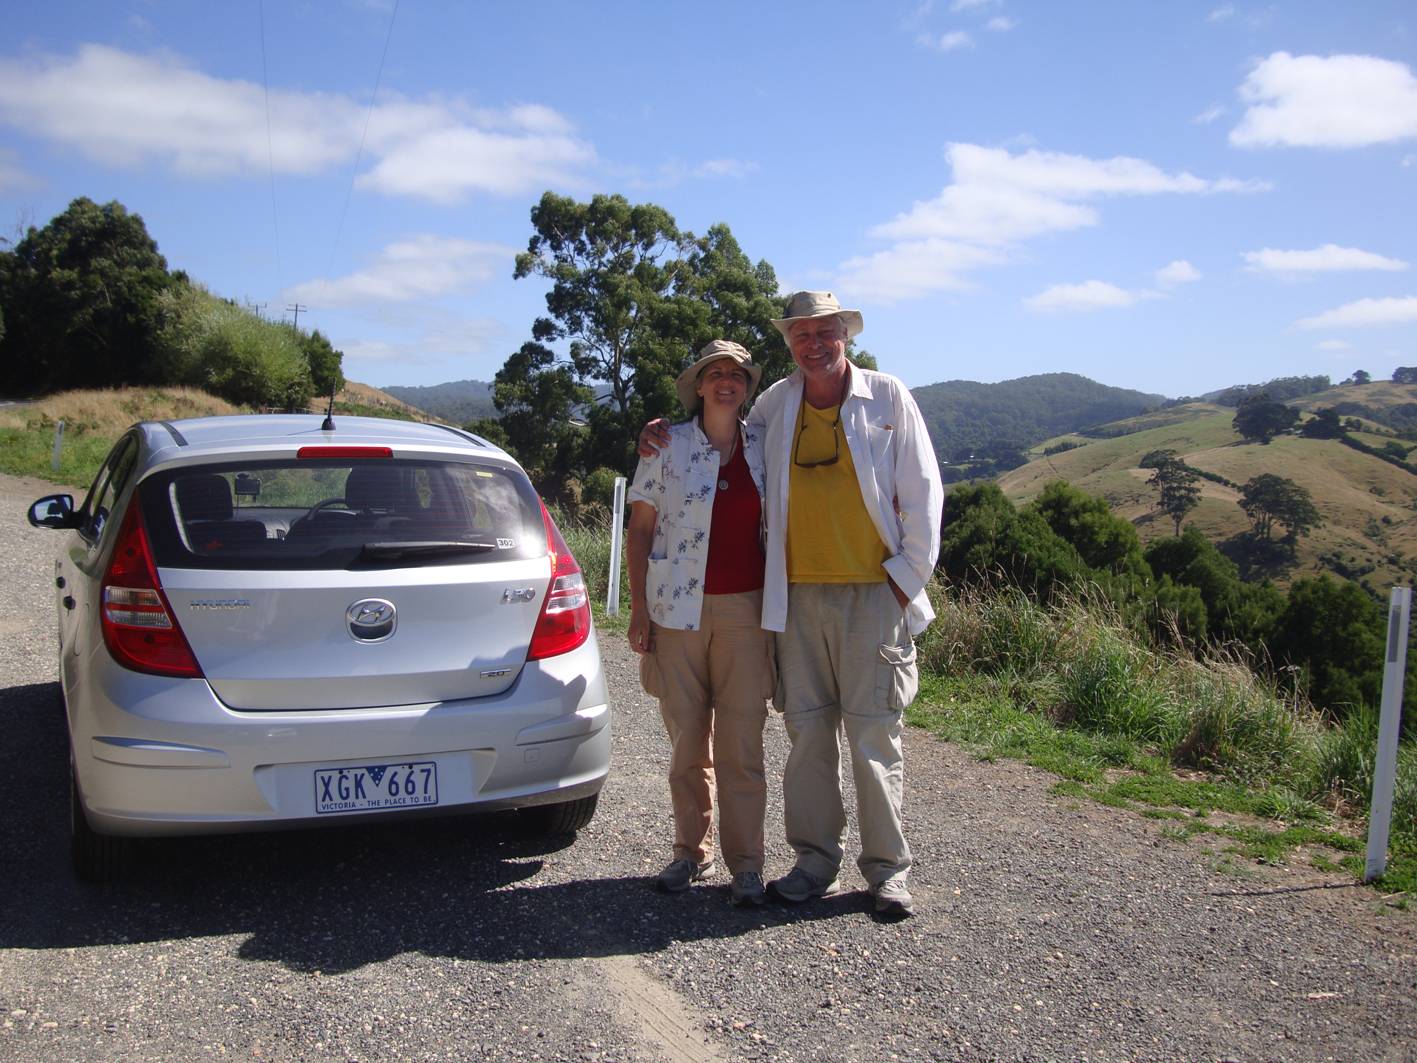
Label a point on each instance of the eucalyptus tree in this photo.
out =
(631, 297)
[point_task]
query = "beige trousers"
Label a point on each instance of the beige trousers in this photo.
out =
(846, 661)
(713, 685)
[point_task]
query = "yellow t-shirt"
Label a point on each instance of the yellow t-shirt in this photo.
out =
(830, 537)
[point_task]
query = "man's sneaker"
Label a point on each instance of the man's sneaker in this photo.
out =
(748, 889)
(798, 885)
(676, 877)
(893, 900)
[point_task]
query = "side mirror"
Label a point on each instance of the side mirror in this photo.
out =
(54, 511)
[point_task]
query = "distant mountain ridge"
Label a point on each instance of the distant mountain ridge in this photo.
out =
(983, 429)
(977, 429)
(457, 401)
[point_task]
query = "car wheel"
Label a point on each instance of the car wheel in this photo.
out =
(97, 857)
(565, 817)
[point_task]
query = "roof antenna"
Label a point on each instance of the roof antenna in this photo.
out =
(329, 423)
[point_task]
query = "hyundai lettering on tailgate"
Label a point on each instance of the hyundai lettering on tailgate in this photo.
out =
(373, 787)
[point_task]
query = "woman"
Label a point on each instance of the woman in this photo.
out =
(695, 557)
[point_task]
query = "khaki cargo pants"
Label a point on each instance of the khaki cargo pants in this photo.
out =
(846, 661)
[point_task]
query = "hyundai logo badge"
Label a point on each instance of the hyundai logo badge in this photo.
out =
(371, 620)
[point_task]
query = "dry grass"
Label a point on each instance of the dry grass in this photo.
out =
(359, 394)
(108, 412)
(1369, 506)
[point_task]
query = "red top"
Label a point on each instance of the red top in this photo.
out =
(735, 557)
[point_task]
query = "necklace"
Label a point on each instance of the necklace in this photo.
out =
(724, 462)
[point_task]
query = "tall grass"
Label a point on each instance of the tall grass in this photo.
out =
(1077, 667)
(1077, 663)
(93, 421)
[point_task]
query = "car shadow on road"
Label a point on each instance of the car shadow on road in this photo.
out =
(336, 899)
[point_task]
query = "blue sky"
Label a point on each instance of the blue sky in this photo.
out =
(1171, 197)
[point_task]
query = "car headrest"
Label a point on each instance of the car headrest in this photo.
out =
(374, 487)
(204, 496)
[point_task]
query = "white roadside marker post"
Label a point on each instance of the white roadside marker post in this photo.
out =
(58, 444)
(1385, 769)
(617, 531)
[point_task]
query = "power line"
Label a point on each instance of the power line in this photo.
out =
(270, 149)
(298, 309)
(359, 155)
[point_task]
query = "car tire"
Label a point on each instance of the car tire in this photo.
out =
(564, 817)
(97, 857)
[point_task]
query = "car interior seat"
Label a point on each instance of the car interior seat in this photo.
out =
(208, 517)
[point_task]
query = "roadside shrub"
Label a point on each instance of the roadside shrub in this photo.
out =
(212, 344)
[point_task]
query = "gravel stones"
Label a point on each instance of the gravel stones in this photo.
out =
(1047, 928)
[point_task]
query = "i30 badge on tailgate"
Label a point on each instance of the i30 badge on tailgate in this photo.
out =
(371, 619)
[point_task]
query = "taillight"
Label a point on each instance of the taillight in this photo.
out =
(321, 451)
(138, 626)
(564, 622)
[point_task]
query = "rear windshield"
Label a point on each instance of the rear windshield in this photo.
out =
(386, 513)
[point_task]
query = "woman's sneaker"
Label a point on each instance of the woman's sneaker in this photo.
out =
(748, 889)
(676, 877)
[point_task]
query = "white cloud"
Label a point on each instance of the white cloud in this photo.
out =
(733, 168)
(1333, 345)
(123, 109)
(422, 267)
(1339, 101)
(968, 5)
(1221, 13)
(1001, 24)
(1090, 295)
(1210, 114)
(1329, 258)
(912, 269)
(996, 200)
(998, 197)
(948, 42)
(1409, 160)
(445, 164)
(1396, 311)
(1177, 272)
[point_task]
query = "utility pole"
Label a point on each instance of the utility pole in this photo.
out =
(255, 308)
(296, 309)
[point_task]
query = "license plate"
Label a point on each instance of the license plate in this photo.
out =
(373, 787)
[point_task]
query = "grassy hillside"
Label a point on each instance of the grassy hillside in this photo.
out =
(93, 421)
(992, 421)
(1369, 507)
(365, 401)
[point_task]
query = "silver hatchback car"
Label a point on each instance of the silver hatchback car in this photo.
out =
(268, 622)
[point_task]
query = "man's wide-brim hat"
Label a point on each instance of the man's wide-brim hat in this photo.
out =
(687, 383)
(803, 306)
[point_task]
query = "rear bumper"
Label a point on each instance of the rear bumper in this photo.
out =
(159, 756)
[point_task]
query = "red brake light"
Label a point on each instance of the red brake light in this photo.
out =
(345, 452)
(564, 623)
(138, 626)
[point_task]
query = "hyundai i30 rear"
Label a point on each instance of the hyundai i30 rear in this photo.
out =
(265, 624)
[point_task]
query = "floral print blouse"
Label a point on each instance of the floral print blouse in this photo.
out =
(680, 482)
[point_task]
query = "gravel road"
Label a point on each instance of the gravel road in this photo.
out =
(1048, 929)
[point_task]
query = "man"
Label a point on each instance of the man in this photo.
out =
(853, 531)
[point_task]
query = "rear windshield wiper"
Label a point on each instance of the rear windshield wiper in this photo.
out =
(435, 548)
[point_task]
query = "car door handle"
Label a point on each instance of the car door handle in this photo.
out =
(68, 601)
